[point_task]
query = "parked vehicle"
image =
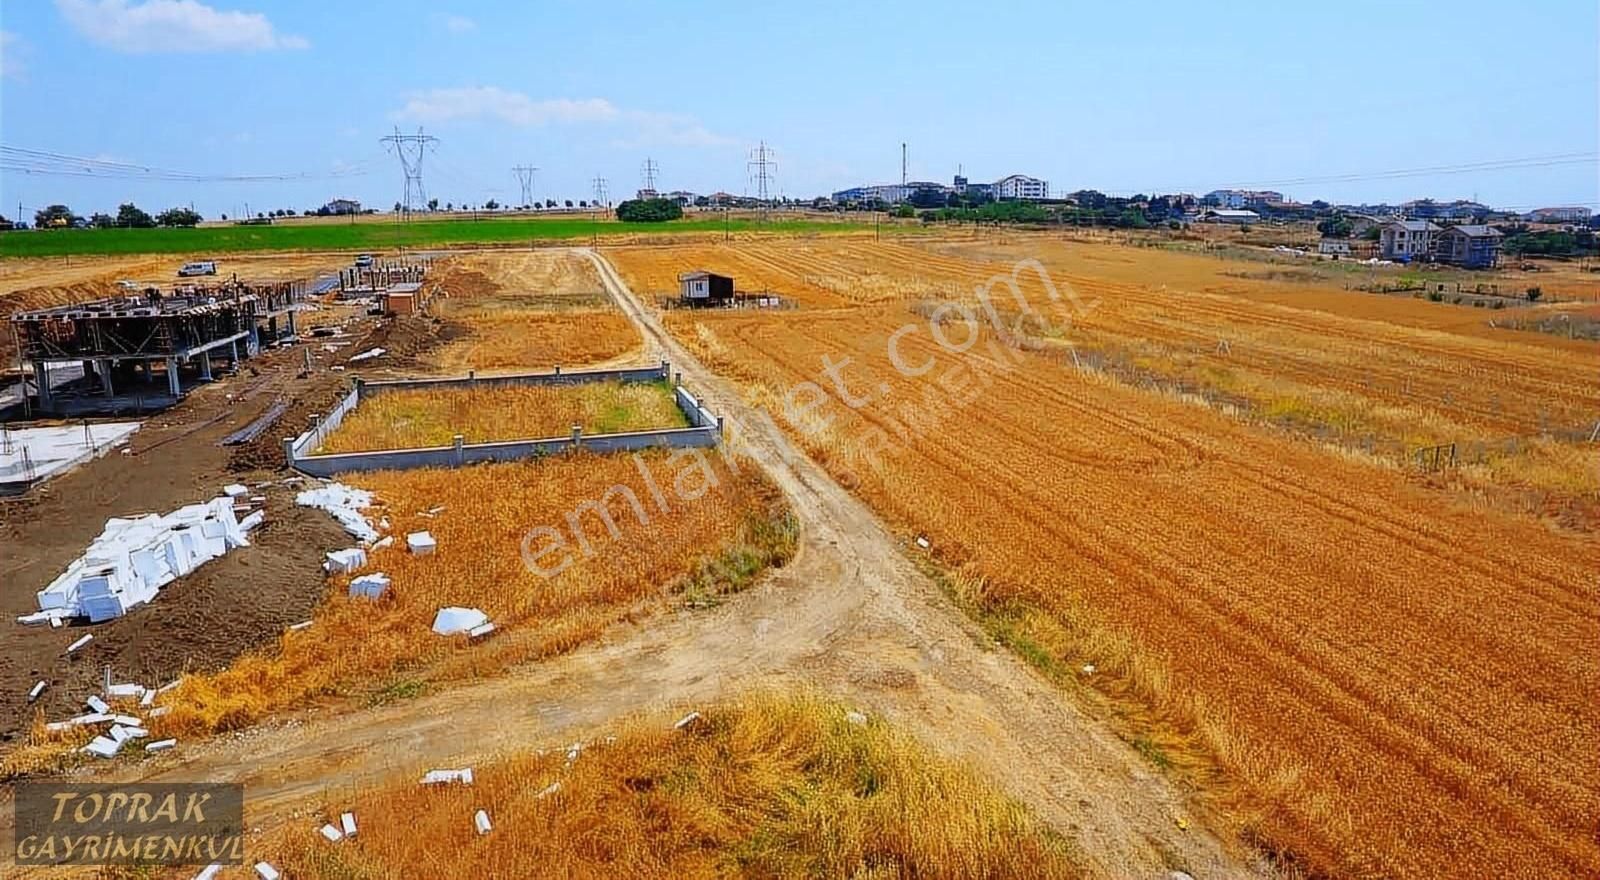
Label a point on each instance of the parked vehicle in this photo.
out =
(199, 267)
(364, 261)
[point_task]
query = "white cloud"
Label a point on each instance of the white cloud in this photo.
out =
(173, 26)
(479, 102)
(640, 127)
(459, 24)
(11, 49)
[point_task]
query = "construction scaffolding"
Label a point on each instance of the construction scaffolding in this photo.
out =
(127, 346)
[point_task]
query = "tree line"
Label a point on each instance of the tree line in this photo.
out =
(128, 216)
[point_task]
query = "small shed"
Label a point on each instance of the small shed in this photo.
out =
(403, 298)
(704, 288)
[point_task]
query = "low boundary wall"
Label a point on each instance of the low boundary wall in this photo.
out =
(704, 431)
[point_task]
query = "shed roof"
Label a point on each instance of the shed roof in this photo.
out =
(1476, 230)
(1415, 225)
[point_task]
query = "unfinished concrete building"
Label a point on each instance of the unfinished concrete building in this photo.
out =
(144, 350)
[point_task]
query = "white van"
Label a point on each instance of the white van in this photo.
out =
(199, 267)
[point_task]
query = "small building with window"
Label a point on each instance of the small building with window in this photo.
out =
(1469, 246)
(1406, 240)
(702, 288)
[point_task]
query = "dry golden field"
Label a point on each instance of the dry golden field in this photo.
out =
(782, 787)
(1391, 672)
(414, 419)
(732, 526)
(529, 310)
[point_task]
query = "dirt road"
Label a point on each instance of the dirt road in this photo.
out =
(850, 615)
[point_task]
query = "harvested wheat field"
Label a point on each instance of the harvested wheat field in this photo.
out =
(413, 419)
(1373, 676)
(526, 311)
(722, 525)
(767, 786)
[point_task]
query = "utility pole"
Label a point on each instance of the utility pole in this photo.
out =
(409, 148)
(600, 195)
(648, 173)
(762, 162)
(524, 175)
(902, 166)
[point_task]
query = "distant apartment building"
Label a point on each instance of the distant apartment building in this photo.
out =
(1233, 199)
(341, 206)
(1558, 215)
(1021, 186)
(1460, 209)
(1406, 240)
(1469, 246)
(683, 197)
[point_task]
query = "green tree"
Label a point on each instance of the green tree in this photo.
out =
(433, 204)
(905, 211)
(130, 215)
(649, 210)
(101, 220)
(178, 217)
(491, 205)
(55, 217)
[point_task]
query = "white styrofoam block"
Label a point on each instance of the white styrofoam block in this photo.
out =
(334, 835)
(345, 561)
(369, 586)
(119, 733)
(296, 627)
(130, 732)
(480, 821)
(234, 490)
(125, 691)
(126, 720)
(37, 618)
(266, 871)
(100, 609)
(446, 777)
(450, 621)
(421, 543)
(480, 631)
(687, 720)
(160, 745)
(75, 646)
(159, 711)
(90, 718)
(251, 521)
(347, 824)
(98, 705)
(149, 698)
(169, 686)
(103, 747)
(37, 690)
(209, 872)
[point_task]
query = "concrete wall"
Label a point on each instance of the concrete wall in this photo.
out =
(705, 429)
(578, 377)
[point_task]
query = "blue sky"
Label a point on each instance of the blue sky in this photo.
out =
(1121, 97)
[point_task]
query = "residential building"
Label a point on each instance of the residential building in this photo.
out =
(1558, 215)
(1233, 199)
(1428, 209)
(683, 197)
(703, 288)
(1406, 240)
(1334, 247)
(1469, 246)
(1021, 186)
(341, 206)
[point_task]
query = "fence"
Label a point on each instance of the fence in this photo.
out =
(705, 429)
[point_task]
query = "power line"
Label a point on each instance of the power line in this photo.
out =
(601, 197)
(524, 175)
(23, 160)
(648, 172)
(763, 162)
(409, 148)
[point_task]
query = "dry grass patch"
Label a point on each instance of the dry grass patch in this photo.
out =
(528, 311)
(414, 419)
(724, 524)
(1234, 588)
(768, 786)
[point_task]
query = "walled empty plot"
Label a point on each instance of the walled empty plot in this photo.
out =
(412, 419)
(1386, 673)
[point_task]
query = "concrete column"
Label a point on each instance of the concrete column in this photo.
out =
(41, 377)
(577, 435)
(105, 378)
(235, 362)
(205, 366)
(288, 451)
(292, 331)
(460, 457)
(173, 386)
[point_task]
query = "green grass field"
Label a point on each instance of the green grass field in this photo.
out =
(208, 240)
